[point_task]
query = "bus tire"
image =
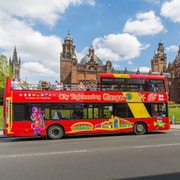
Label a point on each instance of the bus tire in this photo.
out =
(139, 128)
(55, 132)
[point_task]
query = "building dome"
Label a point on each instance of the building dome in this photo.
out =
(89, 58)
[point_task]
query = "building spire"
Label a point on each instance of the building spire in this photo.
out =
(15, 58)
(15, 64)
(68, 37)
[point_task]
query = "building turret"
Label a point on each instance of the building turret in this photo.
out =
(159, 61)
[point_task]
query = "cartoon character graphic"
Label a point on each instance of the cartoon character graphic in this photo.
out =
(37, 120)
(159, 124)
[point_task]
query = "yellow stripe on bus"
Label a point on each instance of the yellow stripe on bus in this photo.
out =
(136, 105)
(121, 76)
(139, 110)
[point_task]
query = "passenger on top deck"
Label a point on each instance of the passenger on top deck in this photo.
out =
(58, 85)
(15, 84)
(81, 86)
(21, 83)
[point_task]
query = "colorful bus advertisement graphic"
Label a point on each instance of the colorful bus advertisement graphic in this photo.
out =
(8, 117)
(37, 120)
(114, 123)
(159, 123)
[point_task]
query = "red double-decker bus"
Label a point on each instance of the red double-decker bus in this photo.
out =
(119, 103)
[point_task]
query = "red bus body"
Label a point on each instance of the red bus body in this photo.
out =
(112, 124)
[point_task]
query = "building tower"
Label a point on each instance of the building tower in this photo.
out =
(15, 65)
(159, 61)
(67, 59)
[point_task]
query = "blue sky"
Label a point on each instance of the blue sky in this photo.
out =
(127, 32)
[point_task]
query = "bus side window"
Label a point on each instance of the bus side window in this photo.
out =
(160, 110)
(141, 87)
(56, 115)
(146, 86)
(161, 87)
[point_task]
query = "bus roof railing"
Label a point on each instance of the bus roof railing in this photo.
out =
(67, 87)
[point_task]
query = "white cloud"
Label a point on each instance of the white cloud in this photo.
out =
(153, 1)
(130, 62)
(143, 69)
(172, 48)
(90, 2)
(38, 68)
(118, 47)
(38, 10)
(170, 9)
(34, 71)
(145, 24)
(31, 45)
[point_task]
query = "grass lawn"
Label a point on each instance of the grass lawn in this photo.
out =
(173, 111)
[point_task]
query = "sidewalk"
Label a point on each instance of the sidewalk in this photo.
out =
(173, 126)
(1, 132)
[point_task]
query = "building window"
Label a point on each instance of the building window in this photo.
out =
(92, 68)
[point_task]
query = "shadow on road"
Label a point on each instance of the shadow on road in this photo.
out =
(38, 138)
(155, 177)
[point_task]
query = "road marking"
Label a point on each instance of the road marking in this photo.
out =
(42, 154)
(176, 134)
(159, 145)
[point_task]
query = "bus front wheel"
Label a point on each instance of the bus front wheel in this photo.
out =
(140, 128)
(55, 132)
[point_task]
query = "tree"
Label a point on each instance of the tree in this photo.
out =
(5, 70)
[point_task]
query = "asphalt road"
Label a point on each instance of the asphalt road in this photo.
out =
(112, 157)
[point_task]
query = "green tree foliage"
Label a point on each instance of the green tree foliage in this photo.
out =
(5, 70)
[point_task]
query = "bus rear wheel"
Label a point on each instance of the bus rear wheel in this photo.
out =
(55, 132)
(139, 128)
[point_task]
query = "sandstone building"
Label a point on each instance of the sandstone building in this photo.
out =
(86, 70)
(159, 64)
(174, 80)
